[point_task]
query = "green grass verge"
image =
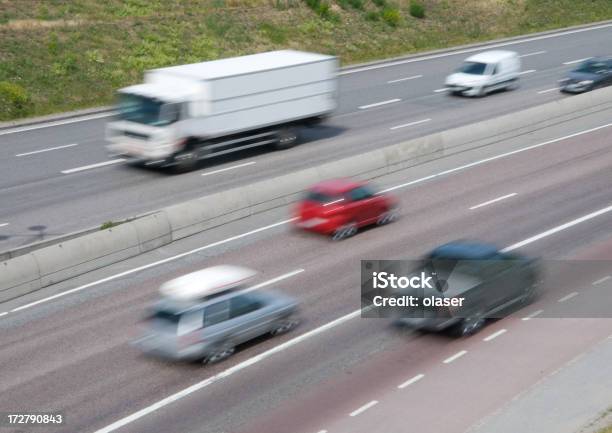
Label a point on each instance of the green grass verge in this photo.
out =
(60, 55)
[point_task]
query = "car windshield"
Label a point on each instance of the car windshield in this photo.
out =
(321, 197)
(145, 110)
(446, 266)
(592, 67)
(475, 68)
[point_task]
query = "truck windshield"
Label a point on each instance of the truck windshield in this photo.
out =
(145, 110)
(475, 68)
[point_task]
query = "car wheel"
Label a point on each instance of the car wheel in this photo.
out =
(514, 85)
(481, 92)
(220, 352)
(530, 294)
(470, 326)
(387, 217)
(285, 324)
(346, 231)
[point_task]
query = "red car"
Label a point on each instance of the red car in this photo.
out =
(340, 207)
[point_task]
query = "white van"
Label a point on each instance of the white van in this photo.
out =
(486, 72)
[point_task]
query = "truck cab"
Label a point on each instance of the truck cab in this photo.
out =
(147, 124)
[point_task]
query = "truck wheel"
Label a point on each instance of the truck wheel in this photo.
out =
(286, 138)
(187, 159)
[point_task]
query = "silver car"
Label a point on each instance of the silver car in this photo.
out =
(211, 320)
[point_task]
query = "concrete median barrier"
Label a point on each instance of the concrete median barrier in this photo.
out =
(40, 267)
(207, 212)
(280, 191)
(77, 256)
(153, 231)
(19, 276)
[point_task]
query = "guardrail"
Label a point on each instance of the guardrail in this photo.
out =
(55, 263)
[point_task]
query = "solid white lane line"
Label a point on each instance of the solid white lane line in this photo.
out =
(150, 265)
(378, 104)
(3, 224)
(411, 381)
(493, 158)
(571, 62)
(404, 79)
(454, 357)
(535, 53)
(88, 167)
(364, 408)
(473, 49)
(322, 431)
(417, 122)
(554, 89)
(208, 173)
(206, 382)
(4, 313)
(444, 89)
(56, 123)
(568, 297)
(495, 335)
(532, 315)
(49, 149)
(558, 229)
(601, 280)
(495, 200)
(274, 280)
(528, 71)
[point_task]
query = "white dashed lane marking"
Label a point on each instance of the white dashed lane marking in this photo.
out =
(364, 408)
(454, 357)
(532, 315)
(411, 381)
(495, 335)
(404, 79)
(378, 104)
(602, 280)
(568, 297)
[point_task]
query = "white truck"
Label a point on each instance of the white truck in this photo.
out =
(182, 114)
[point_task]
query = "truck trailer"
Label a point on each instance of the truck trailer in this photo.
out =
(183, 114)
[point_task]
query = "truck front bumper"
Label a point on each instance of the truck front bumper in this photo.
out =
(142, 153)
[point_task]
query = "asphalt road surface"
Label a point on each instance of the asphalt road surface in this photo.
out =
(336, 372)
(58, 179)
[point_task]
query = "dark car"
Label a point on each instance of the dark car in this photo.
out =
(489, 280)
(590, 74)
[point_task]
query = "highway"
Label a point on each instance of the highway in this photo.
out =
(66, 348)
(50, 171)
